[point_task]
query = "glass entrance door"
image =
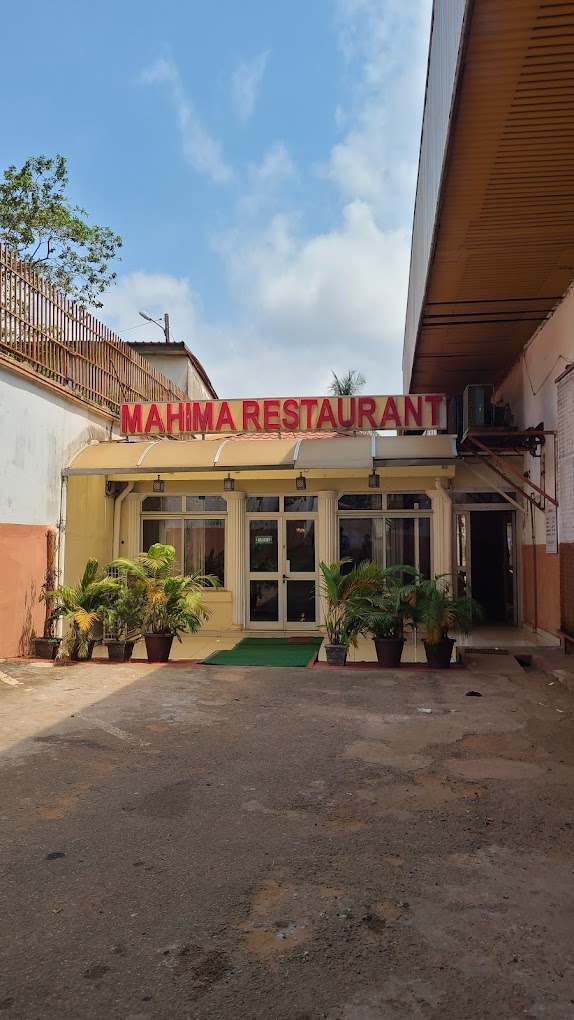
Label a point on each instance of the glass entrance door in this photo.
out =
(282, 573)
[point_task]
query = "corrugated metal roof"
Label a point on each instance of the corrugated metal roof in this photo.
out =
(504, 248)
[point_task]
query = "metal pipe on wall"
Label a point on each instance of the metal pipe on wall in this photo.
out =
(61, 544)
(117, 514)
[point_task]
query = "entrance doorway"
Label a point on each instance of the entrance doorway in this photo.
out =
(282, 572)
(485, 561)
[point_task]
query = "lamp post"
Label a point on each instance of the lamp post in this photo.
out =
(162, 325)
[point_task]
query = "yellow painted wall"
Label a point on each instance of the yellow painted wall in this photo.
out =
(89, 524)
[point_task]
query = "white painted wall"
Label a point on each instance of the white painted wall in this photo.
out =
(39, 433)
(530, 389)
(178, 368)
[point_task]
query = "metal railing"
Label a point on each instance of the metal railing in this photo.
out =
(48, 334)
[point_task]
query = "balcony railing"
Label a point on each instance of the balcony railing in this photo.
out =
(45, 333)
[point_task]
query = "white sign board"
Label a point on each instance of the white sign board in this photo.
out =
(551, 530)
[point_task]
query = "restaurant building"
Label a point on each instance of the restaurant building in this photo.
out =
(260, 505)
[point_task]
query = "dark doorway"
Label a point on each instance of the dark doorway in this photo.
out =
(492, 563)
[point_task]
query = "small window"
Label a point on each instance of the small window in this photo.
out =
(300, 504)
(205, 504)
(408, 501)
(164, 504)
(262, 504)
(361, 501)
(481, 497)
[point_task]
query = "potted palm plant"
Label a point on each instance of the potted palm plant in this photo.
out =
(122, 619)
(46, 647)
(82, 605)
(437, 610)
(385, 613)
(171, 604)
(342, 594)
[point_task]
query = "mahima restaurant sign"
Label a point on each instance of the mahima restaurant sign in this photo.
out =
(289, 414)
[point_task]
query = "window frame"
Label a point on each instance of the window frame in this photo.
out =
(382, 515)
(183, 515)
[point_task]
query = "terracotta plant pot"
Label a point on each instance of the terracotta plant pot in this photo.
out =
(45, 648)
(389, 651)
(336, 654)
(120, 651)
(439, 655)
(158, 647)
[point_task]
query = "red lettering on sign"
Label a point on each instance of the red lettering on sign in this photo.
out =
(435, 399)
(391, 413)
(346, 423)
(326, 414)
(271, 415)
(225, 417)
(202, 416)
(366, 409)
(131, 419)
(154, 419)
(309, 403)
(416, 413)
(188, 426)
(172, 415)
(251, 414)
(290, 414)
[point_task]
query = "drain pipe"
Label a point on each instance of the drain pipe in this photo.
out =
(61, 545)
(117, 514)
(534, 567)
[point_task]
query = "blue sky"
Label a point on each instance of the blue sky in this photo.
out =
(259, 160)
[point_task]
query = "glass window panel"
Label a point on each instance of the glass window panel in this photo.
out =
(300, 504)
(400, 541)
(361, 539)
(263, 546)
(165, 504)
(408, 501)
(205, 504)
(301, 545)
(168, 532)
(262, 504)
(264, 601)
(205, 547)
(300, 601)
(361, 501)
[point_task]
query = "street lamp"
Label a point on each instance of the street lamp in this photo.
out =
(162, 325)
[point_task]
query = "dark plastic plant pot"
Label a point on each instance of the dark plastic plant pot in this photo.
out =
(120, 651)
(336, 654)
(158, 647)
(389, 651)
(75, 654)
(440, 654)
(45, 648)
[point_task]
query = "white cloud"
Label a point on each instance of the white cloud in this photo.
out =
(385, 46)
(245, 86)
(154, 293)
(265, 180)
(332, 301)
(202, 151)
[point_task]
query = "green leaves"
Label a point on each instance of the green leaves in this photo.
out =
(346, 386)
(38, 223)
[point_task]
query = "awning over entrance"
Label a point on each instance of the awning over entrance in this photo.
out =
(334, 455)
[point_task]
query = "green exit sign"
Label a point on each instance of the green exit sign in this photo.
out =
(263, 539)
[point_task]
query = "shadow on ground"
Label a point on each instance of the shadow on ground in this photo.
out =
(285, 845)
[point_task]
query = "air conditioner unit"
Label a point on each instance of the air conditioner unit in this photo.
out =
(477, 406)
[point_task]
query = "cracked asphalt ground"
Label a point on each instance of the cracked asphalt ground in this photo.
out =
(287, 844)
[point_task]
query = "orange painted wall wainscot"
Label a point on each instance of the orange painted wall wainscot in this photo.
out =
(23, 559)
(548, 587)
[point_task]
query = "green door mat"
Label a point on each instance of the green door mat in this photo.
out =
(266, 652)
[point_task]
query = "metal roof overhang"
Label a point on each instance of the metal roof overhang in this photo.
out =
(503, 253)
(326, 457)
